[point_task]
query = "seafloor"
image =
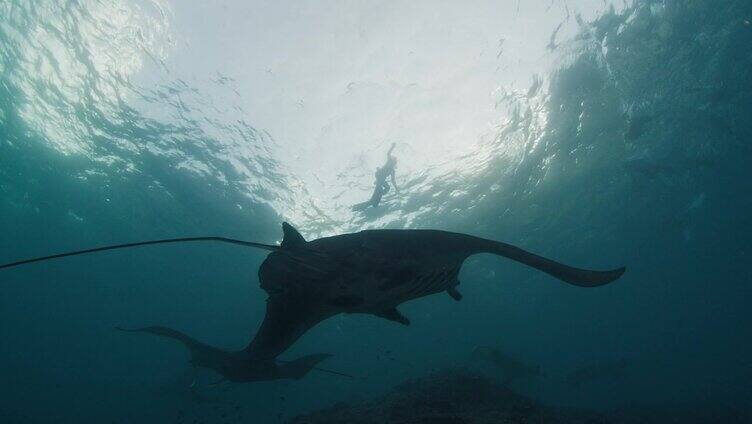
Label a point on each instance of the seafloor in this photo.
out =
(463, 397)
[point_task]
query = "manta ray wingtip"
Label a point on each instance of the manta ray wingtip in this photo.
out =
(393, 314)
(618, 272)
(298, 368)
(605, 277)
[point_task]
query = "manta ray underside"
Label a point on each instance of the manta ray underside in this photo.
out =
(371, 272)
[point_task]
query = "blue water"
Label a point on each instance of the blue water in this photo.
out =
(634, 151)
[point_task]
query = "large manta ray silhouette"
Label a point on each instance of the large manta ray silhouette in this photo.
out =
(371, 272)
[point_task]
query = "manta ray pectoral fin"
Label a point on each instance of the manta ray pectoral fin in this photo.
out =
(288, 316)
(298, 368)
(201, 353)
(291, 238)
(456, 295)
(393, 315)
(575, 276)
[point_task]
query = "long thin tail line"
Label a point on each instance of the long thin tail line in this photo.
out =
(321, 369)
(144, 243)
(334, 372)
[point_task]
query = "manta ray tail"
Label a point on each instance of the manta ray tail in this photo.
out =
(144, 243)
(571, 275)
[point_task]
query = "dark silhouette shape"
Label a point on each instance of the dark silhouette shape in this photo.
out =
(513, 369)
(381, 184)
(370, 272)
(454, 396)
(235, 366)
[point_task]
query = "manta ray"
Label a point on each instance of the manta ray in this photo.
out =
(236, 366)
(368, 272)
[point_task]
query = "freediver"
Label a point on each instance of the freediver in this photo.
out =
(381, 184)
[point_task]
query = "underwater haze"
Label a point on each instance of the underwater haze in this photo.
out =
(597, 133)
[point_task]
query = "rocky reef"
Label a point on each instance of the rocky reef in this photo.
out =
(448, 397)
(459, 396)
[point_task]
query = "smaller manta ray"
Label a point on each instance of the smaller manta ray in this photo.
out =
(236, 367)
(512, 368)
(369, 272)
